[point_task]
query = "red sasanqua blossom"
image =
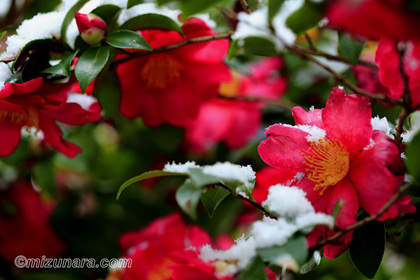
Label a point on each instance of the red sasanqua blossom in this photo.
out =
(38, 104)
(165, 250)
(374, 18)
(222, 120)
(170, 86)
(389, 56)
(338, 156)
(25, 228)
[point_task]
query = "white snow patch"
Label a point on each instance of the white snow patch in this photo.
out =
(383, 125)
(5, 74)
(231, 171)
(315, 133)
(279, 21)
(84, 100)
(180, 167)
(313, 219)
(288, 202)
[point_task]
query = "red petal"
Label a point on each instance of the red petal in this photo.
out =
(284, 147)
(313, 117)
(30, 86)
(348, 119)
(344, 191)
(9, 140)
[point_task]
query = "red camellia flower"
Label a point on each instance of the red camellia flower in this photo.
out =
(338, 156)
(223, 119)
(374, 18)
(389, 64)
(38, 105)
(24, 224)
(170, 86)
(167, 250)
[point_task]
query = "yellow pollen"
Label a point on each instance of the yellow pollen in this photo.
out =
(160, 71)
(28, 120)
(328, 163)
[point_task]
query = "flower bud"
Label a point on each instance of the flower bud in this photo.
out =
(92, 28)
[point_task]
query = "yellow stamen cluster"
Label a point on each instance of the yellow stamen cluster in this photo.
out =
(28, 120)
(328, 163)
(160, 71)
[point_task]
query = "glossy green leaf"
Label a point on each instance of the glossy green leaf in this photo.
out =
(2, 34)
(69, 17)
(413, 157)
(234, 50)
(259, 46)
(295, 248)
(152, 21)
(43, 175)
(62, 68)
(40, 44)
(132, 3)
(305, 18)
(350, 47)
(212, 198)
(109, 13)
(191, 7)
(273, 7)
(127, 39)
(144, 176)
(367, 247)
(90, 65)
(187, 197)
(254, 271)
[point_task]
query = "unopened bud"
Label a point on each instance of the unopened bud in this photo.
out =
(92, 28)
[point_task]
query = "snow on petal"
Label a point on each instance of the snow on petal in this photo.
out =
(382, 124)
(84, 100)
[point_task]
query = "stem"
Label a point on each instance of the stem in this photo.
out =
(175, 46)
(365, 220)
(245, 6)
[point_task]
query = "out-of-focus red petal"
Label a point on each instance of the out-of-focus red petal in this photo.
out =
(21, 89)
(10, 137)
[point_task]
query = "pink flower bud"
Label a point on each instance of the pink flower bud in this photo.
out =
(92, 28)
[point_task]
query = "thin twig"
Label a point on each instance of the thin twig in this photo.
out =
(297, 51)
(309, 40)
(313, 51)
(245, 6)
(175, 46)
(365, 220)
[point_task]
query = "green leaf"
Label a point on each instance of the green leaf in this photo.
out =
(350, 47)
(234, 50)
(62, 68)
(259, 46)
(294, 250)
(109, 13)
(191, 7)
(305, 18)
(152, 21)
(40, 44)
(273, 7)
(254, 271)
(2, 34)
(200, 179)
(127, 39)
(132, 3)
(413, 157)
(144, 176)
(187, 197)
(44, 176)
(69, 17)
(367, 247)
(90, 65)
(212, 198)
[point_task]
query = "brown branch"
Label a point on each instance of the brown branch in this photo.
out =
(175, 46)
(245, 6)
(365, 220)
(313, 51)
(297, 51)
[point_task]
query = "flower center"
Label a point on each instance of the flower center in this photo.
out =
(29, 119)
(160, 71)
(328, 163)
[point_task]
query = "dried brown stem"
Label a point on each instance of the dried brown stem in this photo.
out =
(245, 6)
